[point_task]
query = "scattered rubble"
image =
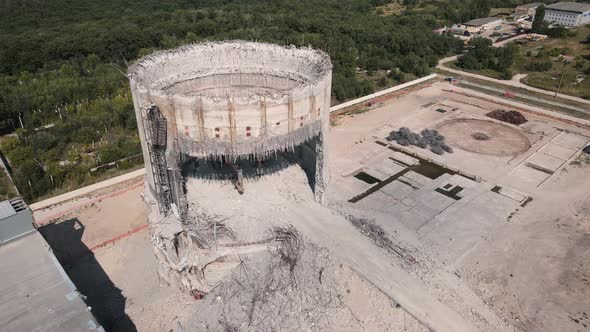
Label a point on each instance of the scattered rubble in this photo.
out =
(427, 138)
(376, 233)
(287, 288)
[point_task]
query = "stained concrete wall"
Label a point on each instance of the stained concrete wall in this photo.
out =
(214, 95)
(235, 99)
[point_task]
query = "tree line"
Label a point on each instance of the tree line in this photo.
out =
(63, 62)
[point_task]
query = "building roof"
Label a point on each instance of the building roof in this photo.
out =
(530, 5)
(6, 210)
(35, 292)
(575, 7)
(482, 21)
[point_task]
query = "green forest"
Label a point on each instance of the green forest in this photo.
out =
(65, 105)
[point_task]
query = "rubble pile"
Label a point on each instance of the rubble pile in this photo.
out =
(512, 117)
(427, 138)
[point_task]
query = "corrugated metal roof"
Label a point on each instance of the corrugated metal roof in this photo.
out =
(6, 210)
(576, 7)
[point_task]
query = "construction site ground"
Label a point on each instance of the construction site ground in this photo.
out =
(488, 230)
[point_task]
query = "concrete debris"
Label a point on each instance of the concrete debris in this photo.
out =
(268, 293)
(217, 111)
(376, 233)
(427, 138)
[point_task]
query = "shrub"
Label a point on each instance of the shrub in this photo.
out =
(543, 65)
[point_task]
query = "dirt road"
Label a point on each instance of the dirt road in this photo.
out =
(442, 65)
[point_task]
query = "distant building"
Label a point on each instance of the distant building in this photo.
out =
(36, 294)
(481, 24)
(527, 10)
(459, 31)
(569, 14)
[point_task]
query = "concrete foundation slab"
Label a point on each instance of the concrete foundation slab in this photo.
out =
(398, 190)
(404, 158)
(572, 140)
(459, 232)
(526, 178)
(545, 161)
(558, 151)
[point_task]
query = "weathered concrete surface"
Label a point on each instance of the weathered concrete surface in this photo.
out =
(205, 107)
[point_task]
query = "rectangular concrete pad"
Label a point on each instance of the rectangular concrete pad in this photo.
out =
(389, 167)
(545, 161)
(376, 200)
(348, 187)
(458, 232)
(417, 178)
(404, 158)
(429, 204)
(526, 177)
(512, 194)
(397, 190)
(558, 151)
(572, 140)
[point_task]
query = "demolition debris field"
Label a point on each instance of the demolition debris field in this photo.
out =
(503, 221)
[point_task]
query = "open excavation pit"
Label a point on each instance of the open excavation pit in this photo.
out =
(225, 116)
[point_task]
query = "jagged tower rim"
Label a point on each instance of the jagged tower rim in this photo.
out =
(192, 70)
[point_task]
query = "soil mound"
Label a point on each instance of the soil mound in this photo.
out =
(512, 117)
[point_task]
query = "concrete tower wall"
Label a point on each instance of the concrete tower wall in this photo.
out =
(234, 99)
(206, 110)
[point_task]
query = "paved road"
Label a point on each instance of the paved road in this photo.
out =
(513, 83)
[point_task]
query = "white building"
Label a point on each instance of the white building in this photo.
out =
(481, 24)
(569, 14)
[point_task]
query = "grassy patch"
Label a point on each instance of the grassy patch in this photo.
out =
(7, 190)
(576, 78)
(392, 8)
(484, 72)
(582, 160)
(496, 11)
(381, 81)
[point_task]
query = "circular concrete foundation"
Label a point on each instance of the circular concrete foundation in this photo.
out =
(501, 140)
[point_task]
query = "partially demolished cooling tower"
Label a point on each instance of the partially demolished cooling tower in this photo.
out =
(223, 112)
